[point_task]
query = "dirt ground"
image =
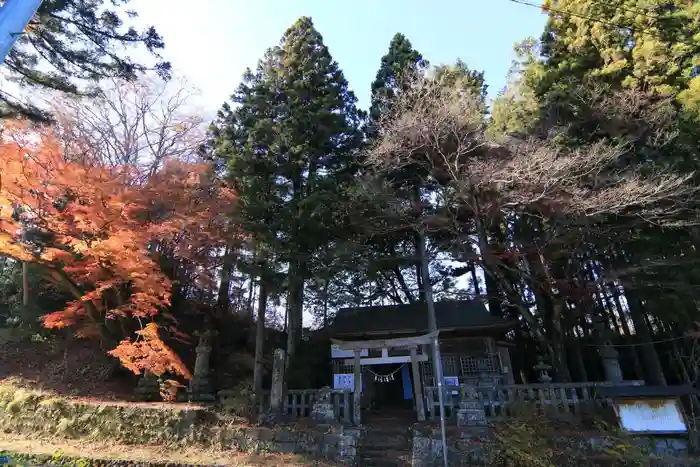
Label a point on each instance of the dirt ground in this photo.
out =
(71, 368)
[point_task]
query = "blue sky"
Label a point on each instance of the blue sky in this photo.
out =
(211, 42)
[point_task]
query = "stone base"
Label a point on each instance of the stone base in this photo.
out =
(200, 391)
(147, 389)
(201, 397)
(334, 442)
(273, 418)
(471, 413)
(323, 413)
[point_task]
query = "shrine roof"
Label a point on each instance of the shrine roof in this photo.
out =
(451, 315)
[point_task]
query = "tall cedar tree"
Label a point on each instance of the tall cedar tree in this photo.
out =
(398, 249)
(69, 41)
(292, 146)
(400, 60)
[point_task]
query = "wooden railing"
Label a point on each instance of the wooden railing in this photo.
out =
(299, 402)
(505, 401)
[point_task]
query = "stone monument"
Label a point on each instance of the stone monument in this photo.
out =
(322, 409)
(200, 386)
(471, 411)
(277, 388)
(608, 353)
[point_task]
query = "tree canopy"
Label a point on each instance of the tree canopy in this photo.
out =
(71, 44)
(567, 203)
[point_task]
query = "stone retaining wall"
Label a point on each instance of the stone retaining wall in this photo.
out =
(337, 443)
(474, 446)
(32, 413)
(465, 446)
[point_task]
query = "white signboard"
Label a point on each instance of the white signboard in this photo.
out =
(345, 381)
(337, 353)
(660, 416)
(451, 382)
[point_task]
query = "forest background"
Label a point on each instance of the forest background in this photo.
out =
(131, 221)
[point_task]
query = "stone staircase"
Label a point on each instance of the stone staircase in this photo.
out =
(385, 442)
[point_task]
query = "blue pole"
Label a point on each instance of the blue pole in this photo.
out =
(14, 17)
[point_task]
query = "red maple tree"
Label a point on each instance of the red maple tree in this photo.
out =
(98, 236)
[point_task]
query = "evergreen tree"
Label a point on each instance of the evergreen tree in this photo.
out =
(461, 76)
(69, 41)
(292, 145)
(400, 61)
(396, 251)
(620, 72)
(620, 42)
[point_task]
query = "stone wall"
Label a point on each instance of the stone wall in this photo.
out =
(475, 446)
(465, 446)
(336, 442)
(36, 414)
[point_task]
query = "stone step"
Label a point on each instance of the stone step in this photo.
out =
(386, 442)
(385, 455)
(382, 462)
(377, 450)
(380, 450)
(388, 432)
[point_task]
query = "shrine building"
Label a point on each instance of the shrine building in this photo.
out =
(388, 347)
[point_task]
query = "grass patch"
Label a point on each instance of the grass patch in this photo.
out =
(532, 439)
(39, 413)
(27, 451)
(194, 434)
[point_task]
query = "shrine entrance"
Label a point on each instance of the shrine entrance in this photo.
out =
(385, 373)
(392, 386)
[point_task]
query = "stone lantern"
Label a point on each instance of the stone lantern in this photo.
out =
(200, 386)
(543, 369)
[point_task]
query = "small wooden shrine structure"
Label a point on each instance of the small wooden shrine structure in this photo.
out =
(470, 339)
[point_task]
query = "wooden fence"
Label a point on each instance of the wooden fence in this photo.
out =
(499, 402)
(504, 401)
(299, 402)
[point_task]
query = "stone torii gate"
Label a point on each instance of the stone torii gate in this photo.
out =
(410, 343)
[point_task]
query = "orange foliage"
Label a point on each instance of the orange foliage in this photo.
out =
(101, 234)
(169, 389)
(149, 353)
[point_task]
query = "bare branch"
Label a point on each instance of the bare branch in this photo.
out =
(138, 124)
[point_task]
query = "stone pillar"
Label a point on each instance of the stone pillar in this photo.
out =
(358, 388)
(471, 411)
(507, 366)
(322, 409)
(200, 387)
(277, 389)
(417, 386)
(608, 353)
(611, 364)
